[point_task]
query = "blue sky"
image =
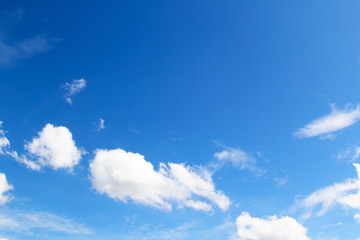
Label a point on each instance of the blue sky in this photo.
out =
(180, 120)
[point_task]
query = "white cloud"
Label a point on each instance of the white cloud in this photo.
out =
(174, 233)
(272, 228)
(128, 176)
(24, 160)
(357, 217)
(101, 124)
(29, 222)
(345, 194)
(324, 127)
(281, 181)
(238, 158)
(4, 142)
(72, 88)
(198, 205)
(4, 188)
(351, 154)
(4, 149)
(55, 148)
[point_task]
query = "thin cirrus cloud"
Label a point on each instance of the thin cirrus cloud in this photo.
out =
(325, 126)
(351, 154)
(128, 176)
(13, 51)
(101, 125)
(345, 194)
(30, 222)
(238, 159)
(54, 147)
(272, 228)
(72, 88)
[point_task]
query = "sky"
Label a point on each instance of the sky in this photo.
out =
(173, 120)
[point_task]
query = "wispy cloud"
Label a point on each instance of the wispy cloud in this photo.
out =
(281, 181)
(175, 233)
(237, 158)
(326, 126)
(345, 194)
(128, 176)
(29, 222)
(100, 125)
(4, 142)
(12, 51)
(351, 154)
(72, 88)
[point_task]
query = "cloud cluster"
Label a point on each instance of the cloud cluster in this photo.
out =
(324, 127)
(4, 188)
(72, 88)
(345, 194)
(272, 228)
(238, 158)
(128, 176)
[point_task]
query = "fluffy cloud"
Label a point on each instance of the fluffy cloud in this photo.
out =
(324, 127)
(345, 194)
(72, 88)
(272, 228)
(4, 188)
(128, 176)
(55, 148)
(238, 158)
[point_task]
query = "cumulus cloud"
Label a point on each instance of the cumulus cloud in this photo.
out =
(128, 176)
(72, 88)
(55, 148)
(238, 159)
(4, 188)
(29, 222)
(272, 228)
(345, 194)
(325, 126)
